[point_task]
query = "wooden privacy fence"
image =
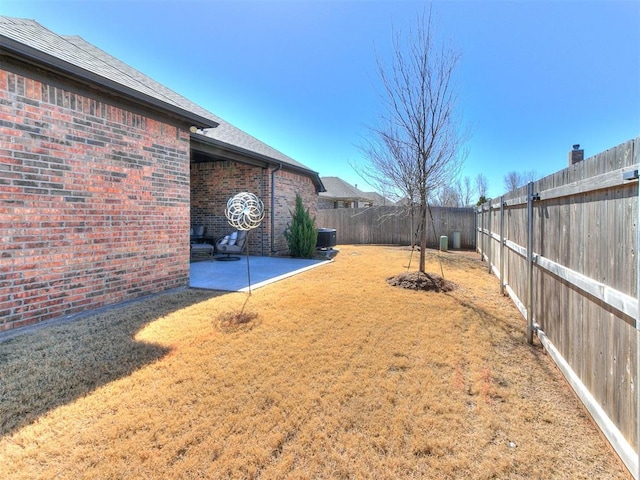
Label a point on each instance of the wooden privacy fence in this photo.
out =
(392, 225)
(566, 249)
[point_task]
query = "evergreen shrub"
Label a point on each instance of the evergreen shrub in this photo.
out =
(301, 233)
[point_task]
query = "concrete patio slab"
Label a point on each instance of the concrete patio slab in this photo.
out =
(233, 276)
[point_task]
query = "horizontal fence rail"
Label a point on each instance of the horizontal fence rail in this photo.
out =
(565, 249)
(394, 225)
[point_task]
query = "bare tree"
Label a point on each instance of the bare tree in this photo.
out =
(390, 169)
(512, 180)
(529, 176)
(465, 192)
(416, 147)
(482, 186)
(448, 196)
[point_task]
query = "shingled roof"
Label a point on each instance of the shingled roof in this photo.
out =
(231, 135)
(379, 200)
(72, 55)
(29, 40)
(338, 189)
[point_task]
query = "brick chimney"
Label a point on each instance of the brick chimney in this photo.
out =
(576, 154)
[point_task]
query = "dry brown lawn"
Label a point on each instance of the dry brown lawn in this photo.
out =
(334, 374)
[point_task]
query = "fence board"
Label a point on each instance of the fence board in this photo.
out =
(585, 281)
(393, 225)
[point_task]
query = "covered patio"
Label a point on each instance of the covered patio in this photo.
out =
(235, 276)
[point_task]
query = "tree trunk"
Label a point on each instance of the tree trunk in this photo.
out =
(423, 237)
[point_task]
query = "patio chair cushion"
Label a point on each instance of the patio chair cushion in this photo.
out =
(234, 244)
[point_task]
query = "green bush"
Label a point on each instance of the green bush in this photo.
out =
(301, 233)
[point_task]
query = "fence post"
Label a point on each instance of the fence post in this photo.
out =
(530, 263)
(481, 233)
(475, 228)
(637, 474)
(489, 237)
(502, 245)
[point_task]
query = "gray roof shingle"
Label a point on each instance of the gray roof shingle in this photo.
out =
(80, 57)
(75, 55)
(227, 133)
(379, 200)
(338, 189)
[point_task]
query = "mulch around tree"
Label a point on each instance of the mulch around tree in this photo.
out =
(421, 281)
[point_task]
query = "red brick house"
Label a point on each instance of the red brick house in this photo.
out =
(102, 172)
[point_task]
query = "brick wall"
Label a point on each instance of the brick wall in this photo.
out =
(94, 200)
(213, 183)
(287, 185)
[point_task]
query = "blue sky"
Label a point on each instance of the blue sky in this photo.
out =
(535, 77)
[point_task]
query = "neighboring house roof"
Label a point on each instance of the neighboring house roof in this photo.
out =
(80, 60)
(378, 199)
(338, 189)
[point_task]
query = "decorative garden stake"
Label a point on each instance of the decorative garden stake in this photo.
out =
(245, 211)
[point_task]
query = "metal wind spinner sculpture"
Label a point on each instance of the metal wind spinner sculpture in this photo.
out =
(245, 211)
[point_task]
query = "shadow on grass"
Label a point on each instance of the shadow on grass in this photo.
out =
(514, 340)
(62, 361)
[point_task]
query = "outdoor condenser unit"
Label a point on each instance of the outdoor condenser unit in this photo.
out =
(326, 238)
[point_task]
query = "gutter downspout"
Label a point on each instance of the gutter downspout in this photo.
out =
(263, 191)
(273, 209)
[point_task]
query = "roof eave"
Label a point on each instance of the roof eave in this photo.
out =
(11, 47)
(338, 197)
(315, 176)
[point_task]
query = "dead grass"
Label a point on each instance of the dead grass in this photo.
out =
(343, 376)
(237, 321)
